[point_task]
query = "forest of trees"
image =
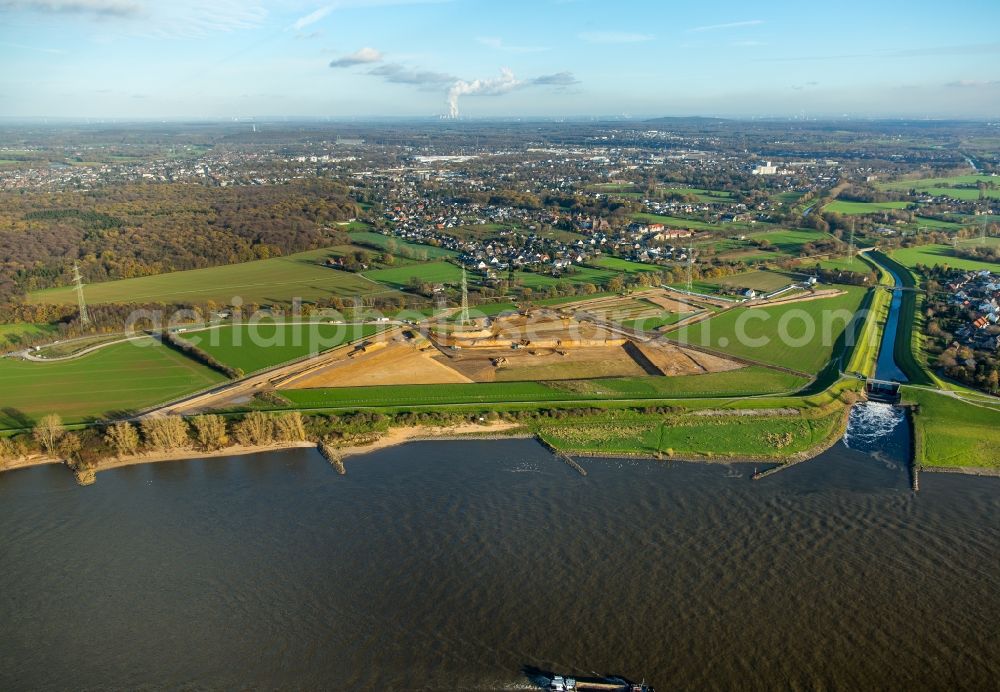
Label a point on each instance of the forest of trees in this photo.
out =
(126, 231)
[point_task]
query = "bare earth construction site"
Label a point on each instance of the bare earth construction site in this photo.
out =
(582, 341)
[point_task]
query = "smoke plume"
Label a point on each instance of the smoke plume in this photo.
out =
(497, 85)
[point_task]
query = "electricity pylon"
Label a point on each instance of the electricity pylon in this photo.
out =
(78, 281)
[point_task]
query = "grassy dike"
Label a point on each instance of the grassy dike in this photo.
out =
(952, 434)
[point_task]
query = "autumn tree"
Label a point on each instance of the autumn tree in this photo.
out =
(211, 431)
(123, 437)
(255, 429)
(165, 433)
(11, 450)
(48, 431)
(69, 447)
(289, 427)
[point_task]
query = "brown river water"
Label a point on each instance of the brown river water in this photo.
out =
(457, 565)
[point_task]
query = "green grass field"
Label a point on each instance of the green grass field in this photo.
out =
(114, 379)
(676, 222)
(707, 196)
(739, 437)
(624, 266)
(930, 183)
(9, 333)
(579, 275)
(860, 208)
(980, 242)
(744, 382)
(271, 281)
(923, 222)
(485, 309)
(931, 255)
(611, 187)
(787, 197)
(564, 300)
(255, 347)
(812, 328)
(403, 248)
(790, 241)
(850, 264)
(950, 432)
(432, 273)
(759, 280)
(962, 193)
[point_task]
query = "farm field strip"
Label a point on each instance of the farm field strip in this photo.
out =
(277, 343)
(275, 280)
(120, 377)
(859, 208)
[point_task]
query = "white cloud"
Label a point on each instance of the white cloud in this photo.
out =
(311, 18)
(727, 25)
(362, 56)
(614, 37)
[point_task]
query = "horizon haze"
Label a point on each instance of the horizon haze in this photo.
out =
(140, 59)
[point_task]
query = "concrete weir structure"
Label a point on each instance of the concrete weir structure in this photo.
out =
(884, 391)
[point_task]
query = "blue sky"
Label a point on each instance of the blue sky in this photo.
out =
(240, 58)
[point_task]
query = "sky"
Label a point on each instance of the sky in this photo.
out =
(498, 58)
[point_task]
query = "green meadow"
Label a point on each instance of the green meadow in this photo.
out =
(930, 183)
(963, 193)
(631, 432)
(624, 266)
(950, 432)
(255, 347)
(763, 280)
(119, 378)
(859, 208)
(578, 275)
(403, 248)
(801, 336)
(790, 241)
(9, 333)
(270, 281)
(707, 196)
(931, 255)
(431, 273)
(675, 222)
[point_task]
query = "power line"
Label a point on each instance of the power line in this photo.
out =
(78, 281)
(465, 298)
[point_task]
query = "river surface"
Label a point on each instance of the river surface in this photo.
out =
(886, 368)
(453, 565)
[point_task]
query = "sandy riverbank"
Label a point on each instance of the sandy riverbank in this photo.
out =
(398, 436)
(395, 436)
